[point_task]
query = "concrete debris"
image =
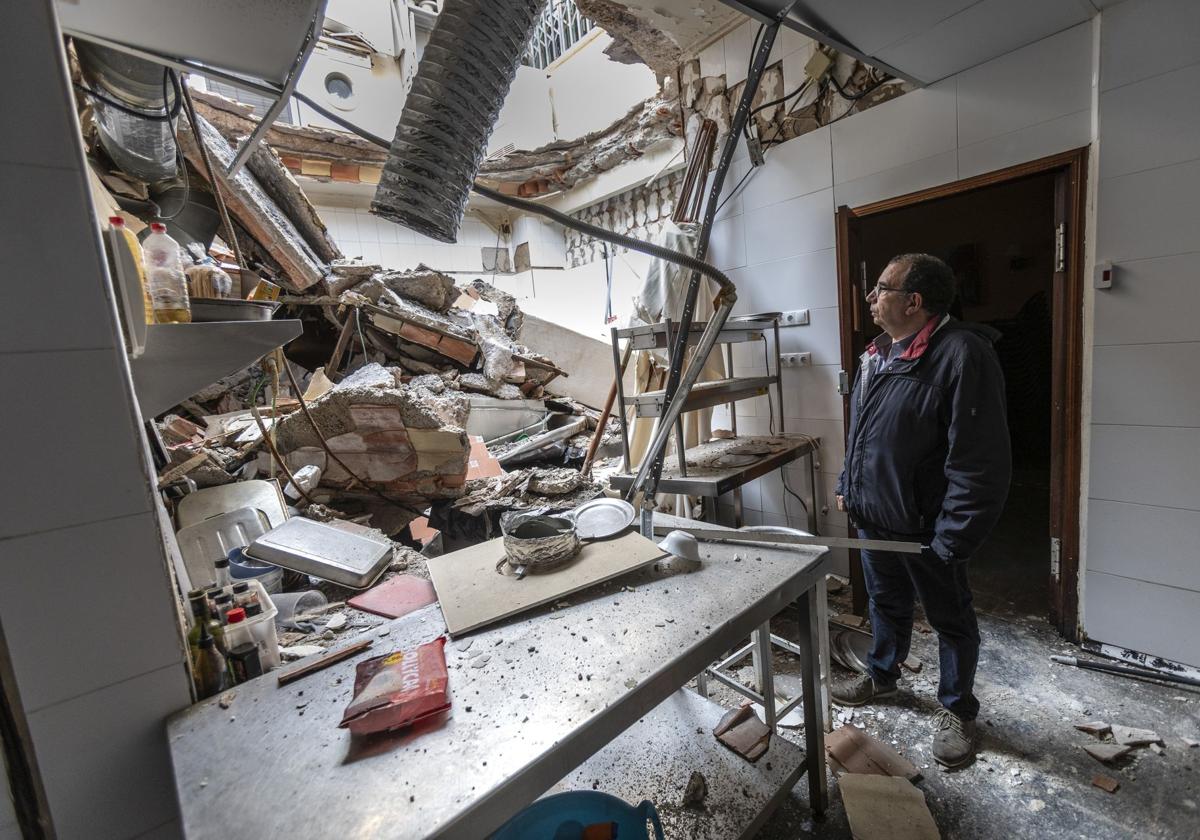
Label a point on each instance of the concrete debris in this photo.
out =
(1105, 783)
(560, 488)
(1157, 749)
(226, 699)
(336, 622)
(1094, 727)
(1107, 753)
(1130, 737)
(697, 790)
(300, 651)
(1191, 742)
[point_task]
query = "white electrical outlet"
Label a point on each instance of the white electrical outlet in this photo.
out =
(794, 318)
(795, 359)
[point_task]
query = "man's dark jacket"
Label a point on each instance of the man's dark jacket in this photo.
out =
(928, 455)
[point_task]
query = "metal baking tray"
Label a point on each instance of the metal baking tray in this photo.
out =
(323, 551)
(231, 309)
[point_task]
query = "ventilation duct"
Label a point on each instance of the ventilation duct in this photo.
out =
(456, 96)
(141, 146)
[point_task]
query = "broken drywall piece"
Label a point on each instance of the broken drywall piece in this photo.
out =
(886, 808)
(1094, 727)
(1131, 737)
(1106, 753)
(850, 750)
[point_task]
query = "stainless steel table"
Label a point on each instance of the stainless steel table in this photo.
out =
(558, 684)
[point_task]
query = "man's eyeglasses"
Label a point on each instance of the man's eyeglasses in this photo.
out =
(880, 289)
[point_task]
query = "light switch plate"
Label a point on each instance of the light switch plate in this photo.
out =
(794, 318)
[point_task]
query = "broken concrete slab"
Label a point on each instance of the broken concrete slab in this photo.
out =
(886, 808)
(386, 434)
(1131, 737)
(1094, 727)
(1106, 753)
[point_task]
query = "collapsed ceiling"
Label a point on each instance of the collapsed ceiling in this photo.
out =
(659, 32)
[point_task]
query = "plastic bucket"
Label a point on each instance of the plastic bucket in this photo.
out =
(242, 567)
(564, 816)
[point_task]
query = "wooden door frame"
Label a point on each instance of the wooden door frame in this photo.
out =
(1066, 356)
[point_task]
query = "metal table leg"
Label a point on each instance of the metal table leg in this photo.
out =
(764, 671)
(814, 708)
(822, 611)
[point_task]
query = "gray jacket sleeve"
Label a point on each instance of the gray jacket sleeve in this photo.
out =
(979, 460)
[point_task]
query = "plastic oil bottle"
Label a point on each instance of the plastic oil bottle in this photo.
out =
(164, 274)
(135, 248)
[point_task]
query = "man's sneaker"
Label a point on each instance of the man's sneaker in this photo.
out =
(858, 691)
(954, 742)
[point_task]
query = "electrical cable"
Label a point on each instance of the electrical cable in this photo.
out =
(799, 90)
(854, 97)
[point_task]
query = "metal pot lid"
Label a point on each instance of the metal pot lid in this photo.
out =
(603, 518)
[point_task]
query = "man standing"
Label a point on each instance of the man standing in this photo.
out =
(927, 460)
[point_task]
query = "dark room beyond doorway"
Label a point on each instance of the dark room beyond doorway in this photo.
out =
(1000, 241)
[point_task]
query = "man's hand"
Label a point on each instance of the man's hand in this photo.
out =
(841, 503)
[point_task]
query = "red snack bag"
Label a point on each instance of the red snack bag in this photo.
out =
(398, 689)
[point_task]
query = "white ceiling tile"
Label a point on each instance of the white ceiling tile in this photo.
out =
(979, 33)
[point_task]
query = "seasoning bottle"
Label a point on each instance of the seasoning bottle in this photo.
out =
(209, 669)
(264, 638)
(222, 567)
(224, 603)
(245, 663)
(243, 595)
(193, 596)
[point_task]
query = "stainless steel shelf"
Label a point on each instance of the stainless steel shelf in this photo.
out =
(654, 336)
(713, 479)
(181, 359)
(706, 394)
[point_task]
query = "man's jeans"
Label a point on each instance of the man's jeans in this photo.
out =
(892, 580)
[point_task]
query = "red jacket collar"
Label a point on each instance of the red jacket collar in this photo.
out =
(920, 342)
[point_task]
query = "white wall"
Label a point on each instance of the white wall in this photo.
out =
(85, 594)
(1142, 587)
(360, 234)
(776, 239)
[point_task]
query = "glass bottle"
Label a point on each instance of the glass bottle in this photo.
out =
(209, 670)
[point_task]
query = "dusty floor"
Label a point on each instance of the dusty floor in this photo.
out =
(1032, 777)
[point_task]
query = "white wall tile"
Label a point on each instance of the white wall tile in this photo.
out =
(792, 42)
(1147, 385)
(1142, 38)
(911, 127)
(57, 267)
(798, 226)
(84, 572)
(888, 23)
(806, 281)
(733, 188)
(1143, 304)
(79, 457)
(1149, 214)
(1146, 617)
(727, 245)
(833, 446)
(1150, 543)
(35, 82)
(712, 59)
(1037, 83)
(900, 180)
(103, 756)
(797, 167)
(738, 44)
(822, 337)
(1151, 123)
(1149, 466)
(811, 392)
(794, 61)
(1062, 134)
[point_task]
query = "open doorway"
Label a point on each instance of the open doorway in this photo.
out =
(1014, 240)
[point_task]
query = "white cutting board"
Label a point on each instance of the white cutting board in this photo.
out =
(473, 594)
